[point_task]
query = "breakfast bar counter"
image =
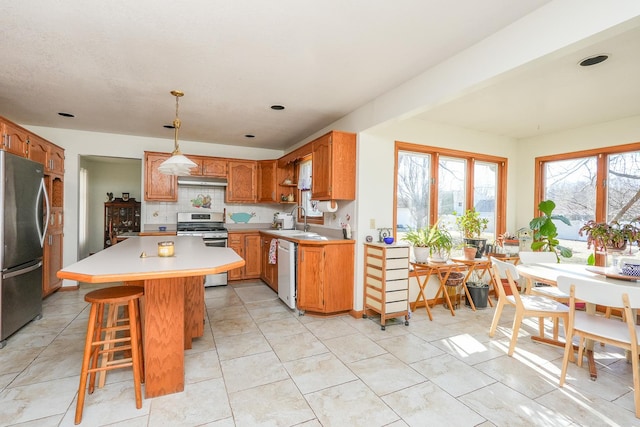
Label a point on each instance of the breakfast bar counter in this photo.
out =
(173, 296)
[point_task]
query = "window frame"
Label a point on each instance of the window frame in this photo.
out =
(602, 155)
(471, 158)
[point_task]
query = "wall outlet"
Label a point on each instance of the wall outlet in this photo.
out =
(372, 223)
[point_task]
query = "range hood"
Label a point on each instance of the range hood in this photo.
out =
(201, 181)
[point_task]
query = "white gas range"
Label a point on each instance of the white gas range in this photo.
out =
(209, 226)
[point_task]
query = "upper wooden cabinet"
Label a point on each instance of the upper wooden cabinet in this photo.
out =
(214, 167)
(50, 155)
(158, 186)
(267, 181)
(334, 167)
(241, 185)
(14, 138)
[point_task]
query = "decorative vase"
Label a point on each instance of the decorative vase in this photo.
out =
(421, 254)
(479, 243)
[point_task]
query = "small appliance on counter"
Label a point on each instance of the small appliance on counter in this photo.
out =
(284, 221)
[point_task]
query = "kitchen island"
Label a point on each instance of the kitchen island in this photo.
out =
(173, 309)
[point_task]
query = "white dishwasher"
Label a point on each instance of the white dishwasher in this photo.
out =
(287, 272)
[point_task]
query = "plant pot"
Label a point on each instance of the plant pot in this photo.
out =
(421, 254)
(439, 256)
(479, 243)
(470, 253)
(479, 294)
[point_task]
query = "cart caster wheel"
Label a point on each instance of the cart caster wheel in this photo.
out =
(406, 323)
(364, 316)
(383, 327)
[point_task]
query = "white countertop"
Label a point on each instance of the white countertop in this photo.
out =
(122, 262)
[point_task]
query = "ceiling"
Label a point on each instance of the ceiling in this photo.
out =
(113, 65)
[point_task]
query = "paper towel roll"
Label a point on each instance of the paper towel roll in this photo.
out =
(330, 206)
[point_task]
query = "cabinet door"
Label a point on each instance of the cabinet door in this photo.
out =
(55, 164)
(252, 256)
(236, 243)
(196, 170)
(267, 181)
(14, 139)
(52, 260)
(268, 272)
(311, 278)
(39, 150)
(321, 168)
(214, 167)
(338, 278)
(241, 186)
(158, 186)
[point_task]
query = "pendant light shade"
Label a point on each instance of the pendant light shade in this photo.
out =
(178, 164)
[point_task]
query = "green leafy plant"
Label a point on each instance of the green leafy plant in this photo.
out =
(610, 236)
(471, 224)
(545, 232)
(436, 238)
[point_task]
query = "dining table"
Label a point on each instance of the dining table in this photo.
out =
(173, 310)
(548, 273)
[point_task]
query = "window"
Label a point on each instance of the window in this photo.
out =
(601, 184)
(434, 183)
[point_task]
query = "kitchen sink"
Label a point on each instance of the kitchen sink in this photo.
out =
(298, 234)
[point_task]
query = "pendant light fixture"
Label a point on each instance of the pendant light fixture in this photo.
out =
(177, 164)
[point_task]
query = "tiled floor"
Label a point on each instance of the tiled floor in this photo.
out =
(259, 363)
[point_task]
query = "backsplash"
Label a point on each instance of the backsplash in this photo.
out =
(211, 199)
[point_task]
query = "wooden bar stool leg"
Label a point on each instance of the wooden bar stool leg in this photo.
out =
(112, 320)
(95, 354)
(135, 357)
(88, 344)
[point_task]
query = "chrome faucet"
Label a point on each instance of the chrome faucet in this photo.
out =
(304, 213)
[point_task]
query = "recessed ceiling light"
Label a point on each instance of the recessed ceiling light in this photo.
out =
(277, 107)
(593, 60)
(249, 136)
(66, 115)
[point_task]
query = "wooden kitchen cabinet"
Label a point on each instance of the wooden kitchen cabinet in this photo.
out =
(267, 181)
(52, 261)
(14, 138)
(241, 181)
(325, 277)
(215, 167)
(268, 272)
(158, 186)
(334, 167)
(50, 155)
(247, 245)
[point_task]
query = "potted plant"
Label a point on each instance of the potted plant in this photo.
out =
(470, 251)
(545, 232)
(612, 236)
(472, 225)
(434, 243)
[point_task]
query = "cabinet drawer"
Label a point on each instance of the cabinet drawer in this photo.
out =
(397, 296)
(390, 307)
(389, 274)
(390, 252)
(389, 263)
(391, 285)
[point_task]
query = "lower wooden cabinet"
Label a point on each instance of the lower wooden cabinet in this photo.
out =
(52, 262)
(325, 277)
(269, 272)
(247, 245)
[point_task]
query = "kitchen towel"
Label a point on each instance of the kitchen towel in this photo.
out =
(273, 250)
(330, 206)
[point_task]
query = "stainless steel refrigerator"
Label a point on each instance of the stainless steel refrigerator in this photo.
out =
(23, 202)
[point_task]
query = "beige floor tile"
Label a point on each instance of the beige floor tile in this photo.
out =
(201, 366)
(353, 347)
(275, 404)
(233, 346)
(35, 401)
(298, 346)
(385, 374)
(427, 404)
(350, 404)
(409, 348)
(452, 375)
(318, 372)
(251, 371)
(330, 328)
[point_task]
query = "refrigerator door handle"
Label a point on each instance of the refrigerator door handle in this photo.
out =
(22, 270)
(43, 191)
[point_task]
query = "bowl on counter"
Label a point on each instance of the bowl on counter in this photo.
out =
(388, 240)
(162, 228)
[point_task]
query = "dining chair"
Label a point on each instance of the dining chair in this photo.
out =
(525, 305)
(622, 334)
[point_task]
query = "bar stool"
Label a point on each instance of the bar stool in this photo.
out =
(99, 347)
